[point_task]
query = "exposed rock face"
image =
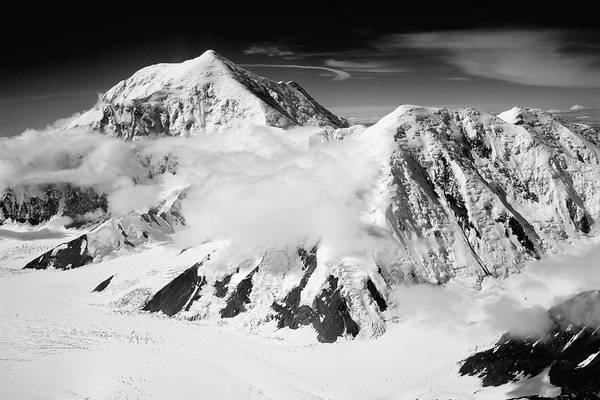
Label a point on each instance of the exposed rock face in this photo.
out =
(236, 303)
(289, 311)
(332, 317)
(570, 350)
(206, 93)
(37, 204)
(473, 192)
(103, 285)
(128, 231)
(177, 294)
(66, 256)
(328, 312)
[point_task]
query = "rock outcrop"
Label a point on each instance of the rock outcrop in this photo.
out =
(35, 204)
(567, 353)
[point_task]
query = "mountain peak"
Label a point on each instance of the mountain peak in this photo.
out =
(208, 92)
(212, 56)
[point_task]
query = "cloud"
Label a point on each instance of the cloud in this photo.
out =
(80, 158)
(365, 66)
(508, 314)
(578, 107)
(338, 75)
(269, 50)
(531, 57)
(77, 156)
(258, 187)
(518, 304)
(456, 78)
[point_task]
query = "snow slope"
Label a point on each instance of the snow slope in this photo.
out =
(477, 193)
(205, 93)
(61, 340)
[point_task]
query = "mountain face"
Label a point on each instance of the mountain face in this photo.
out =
(459, 193)
(206, 93)
(35, 204)
(203, 94)
(125, 232)
(473, 192)
(568, 351)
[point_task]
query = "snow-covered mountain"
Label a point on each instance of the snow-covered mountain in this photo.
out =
(205, 93)
(457, 193)
(473, 192)
(450, 203)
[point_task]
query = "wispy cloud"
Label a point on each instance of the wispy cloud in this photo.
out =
(338, 75)
(532, 57)
(365, 66)
(456, 78)
(269, 50)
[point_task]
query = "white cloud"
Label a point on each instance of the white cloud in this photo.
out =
(531, 57)
(376, 67)
(257, 186)
(338, 75)
(262, 187)
(577, 107)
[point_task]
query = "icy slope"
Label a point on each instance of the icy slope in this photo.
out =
(205, 93)
(473, 192)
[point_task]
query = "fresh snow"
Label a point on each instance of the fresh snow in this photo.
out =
(59, 340)
(588, 360)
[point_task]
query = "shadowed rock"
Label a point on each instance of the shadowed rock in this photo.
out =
(239, 298)
(569, 350)
(221, 287)
(65, 256)
(328, 313)
(381, 303)
(289, 312)
(35, 204)
(103, 285)
(332, 318)
(177, 294)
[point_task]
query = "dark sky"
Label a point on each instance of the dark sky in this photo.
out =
(374, 56)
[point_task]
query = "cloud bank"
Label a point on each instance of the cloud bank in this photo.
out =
(257, 186)
(531, 57)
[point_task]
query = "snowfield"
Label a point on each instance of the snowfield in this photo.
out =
(59, 340)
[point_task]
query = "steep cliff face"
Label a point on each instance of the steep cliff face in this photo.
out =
(205, 93)
(471, 191)
(38, 203)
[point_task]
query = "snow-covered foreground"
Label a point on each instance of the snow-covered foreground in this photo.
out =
(59, 341)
